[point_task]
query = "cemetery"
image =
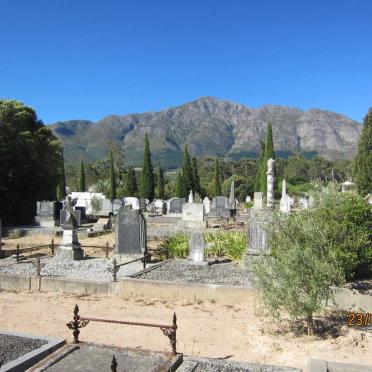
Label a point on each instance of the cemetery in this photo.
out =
(195, 281)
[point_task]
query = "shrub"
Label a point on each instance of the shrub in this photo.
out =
(176, 246)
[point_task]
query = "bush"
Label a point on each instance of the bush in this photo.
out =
(176, 246)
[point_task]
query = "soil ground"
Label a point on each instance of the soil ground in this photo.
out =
(205, 329)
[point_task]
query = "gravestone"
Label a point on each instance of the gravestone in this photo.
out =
(48, 213)
(193, 216)
(130, 232)
(142, 204)
(257, 234)
(207, 204)
(116, 205)
(175, 205)
(83, 215)
(191, 197)
(63, 215)
(285, 202)
(248, 199)
(196, 248)
(160, 206)
(70, 247)
(232, 203)
(220, 208)
(133, 201)
(258, 201)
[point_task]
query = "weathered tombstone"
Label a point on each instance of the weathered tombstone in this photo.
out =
(220, 207)
(248, 199)
(196, 248)
(220, 202)
(48, 213)
(192, 216)
(207, 204)
(175, 205)
(258, 201)
(64, 214)
(285, 202)
(70, 247)
(270, 198)
(116, 205)
(83, 215)
(348, 186)
(257, 234)
(130, 232)
(142, 204)
(160, 206)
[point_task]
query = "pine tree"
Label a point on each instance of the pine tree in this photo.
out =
(362, 164)
(131, 188)
(147, 186)
(82, 178)
(187, 175)
(112, 178)
(161, 182)
(217, 184)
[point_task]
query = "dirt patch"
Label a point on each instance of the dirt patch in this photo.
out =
(205, 329)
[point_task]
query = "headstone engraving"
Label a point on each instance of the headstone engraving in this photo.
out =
(130, 232)
(196, 248)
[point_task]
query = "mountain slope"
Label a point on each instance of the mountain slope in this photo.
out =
(211, 127)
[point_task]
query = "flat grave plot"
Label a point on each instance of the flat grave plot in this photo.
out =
(90, 357)
(95, 269)
(13, 347)
(191, 364)
(222, 273)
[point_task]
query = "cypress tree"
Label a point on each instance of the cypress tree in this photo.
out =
(187, 174)
(112, 178)
(82, 178)
(195, 177)
(131, 188)
(269, 153)
(217, 184)
(257, 184)
(147, 186)
(160, 182)
(362, 164)
(180, 186)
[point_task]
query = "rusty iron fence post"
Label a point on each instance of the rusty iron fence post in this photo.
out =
(114, 364)
(107, 249)
(52, 247)
(144, 260)
(76, 323)
(37, 266)
(171, 333)
(17, 253)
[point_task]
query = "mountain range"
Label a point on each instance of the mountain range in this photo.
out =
(210, 127)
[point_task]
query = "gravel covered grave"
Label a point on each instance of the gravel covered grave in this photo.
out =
(13, 347)
(95, 269)
(223, 273)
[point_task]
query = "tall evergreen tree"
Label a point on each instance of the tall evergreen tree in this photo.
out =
(180, 186)
(195, 177)
(112, 178)
(161, 182)
(147, 185)
(82, 178)
(187, 175)
(257, 184)
(362, 164)
(217, 184)
(131, 188)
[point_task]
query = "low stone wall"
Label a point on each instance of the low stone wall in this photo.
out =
(345, 299)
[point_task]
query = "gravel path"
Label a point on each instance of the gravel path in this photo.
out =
(95, 269)
(13, 347)
(227, 273)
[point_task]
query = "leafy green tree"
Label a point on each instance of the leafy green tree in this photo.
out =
(187, 175)
(217, 184)
(82, 178)
(112, 177)
(161, 182)
(363, 159)
(131, 188)
(29, 153)
(297, 278)
(147, 184)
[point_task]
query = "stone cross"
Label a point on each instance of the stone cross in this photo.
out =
(270, 183)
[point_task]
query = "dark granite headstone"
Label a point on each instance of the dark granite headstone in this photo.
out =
(220, 202)
(130, 232)
(175, 205)
(83, 215)
(63, 215)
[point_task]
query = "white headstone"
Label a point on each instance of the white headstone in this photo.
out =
(191, 197)
(285, 203)
(132, 201)
(193, 212)
(207, 204)
(196, 248)
(248, 199)
(258, 201)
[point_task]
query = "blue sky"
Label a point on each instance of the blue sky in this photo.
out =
(78, 59)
